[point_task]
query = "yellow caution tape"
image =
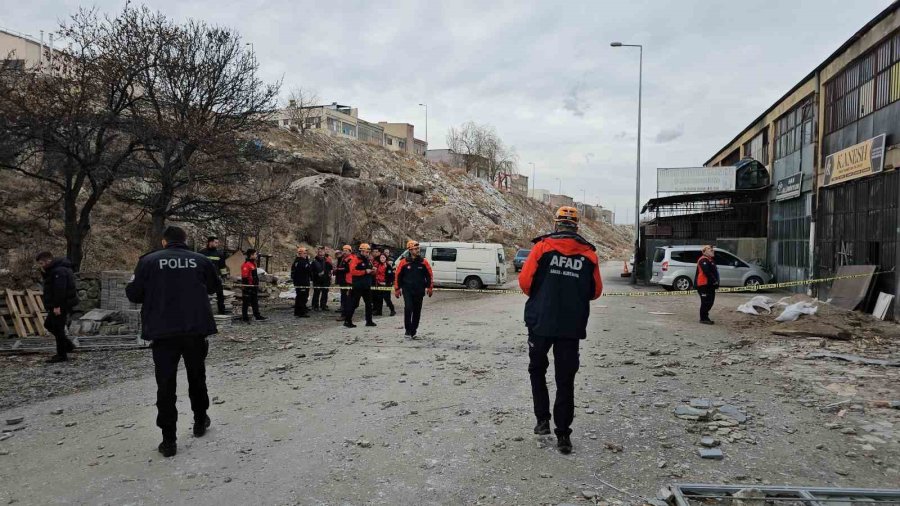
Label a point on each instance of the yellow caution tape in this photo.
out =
(655, 293)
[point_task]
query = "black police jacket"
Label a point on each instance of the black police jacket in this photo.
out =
(321, 269)
(217, 257)
(59, 285)
(560, 276)
(301, 272)
(173, 284)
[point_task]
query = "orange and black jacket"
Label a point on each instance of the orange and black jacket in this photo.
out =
(249, 275)
(707, 273)
(561, 276)
(414, 276)
(356, 272)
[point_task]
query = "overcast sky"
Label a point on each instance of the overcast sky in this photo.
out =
(543, 75)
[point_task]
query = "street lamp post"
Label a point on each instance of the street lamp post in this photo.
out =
(426, 124)
(637, 191)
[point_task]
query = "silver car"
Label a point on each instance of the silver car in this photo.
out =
(674, 267)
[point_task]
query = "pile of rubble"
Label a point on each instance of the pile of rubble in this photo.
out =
(717, 421)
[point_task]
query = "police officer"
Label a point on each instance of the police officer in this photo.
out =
(414, 279)
(561, 276)
(217, 257)
(361, 273)
(174, 285)
(250, 290)
(60, 296)
(707, 281)
(321, 270)
(301, 275)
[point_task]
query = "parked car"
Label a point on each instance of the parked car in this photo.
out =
(473, 265)
(519, 259)
(674, 268)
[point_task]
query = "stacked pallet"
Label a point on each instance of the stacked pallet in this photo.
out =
(24, 312)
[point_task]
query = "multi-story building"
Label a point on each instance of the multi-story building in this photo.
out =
(518, 184)
(560, 200)
(403, 138)
(24, 52)
(540, 195)
(832, 147)
(446, 156)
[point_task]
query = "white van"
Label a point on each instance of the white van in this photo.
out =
(474, 265)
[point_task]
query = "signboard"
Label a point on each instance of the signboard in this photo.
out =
(789, 187)
(859, 160)
(695, 179)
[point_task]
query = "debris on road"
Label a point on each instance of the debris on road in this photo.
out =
(852, 358)
(15, 420)
(711, 453)
(794, 311)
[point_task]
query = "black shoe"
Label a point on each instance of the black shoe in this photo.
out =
(168, 448)
(201, 426)
(222, 310)
(377, 313)
(393, 313)
(245, 320)
(57, 358)
(371, 324)
(349, 325)
(325, 308)
(260, 318)
(564, 444)
(542, 428)
(707, 322)
(316, 309)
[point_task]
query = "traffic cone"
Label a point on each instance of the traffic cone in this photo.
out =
(625, 273)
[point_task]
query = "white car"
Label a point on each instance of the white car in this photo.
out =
(674, 268)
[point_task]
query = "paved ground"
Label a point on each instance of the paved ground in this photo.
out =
(340, 416)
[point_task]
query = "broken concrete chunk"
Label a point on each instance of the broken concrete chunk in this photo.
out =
(701, 403)
(99, 315)
(15, 420)
(711, 453)
(689, 413)
(732, 412)
(709, 441)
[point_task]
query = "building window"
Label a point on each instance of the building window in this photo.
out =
(333, 125)
(864, 86)
(794, 129)
(390, 141)
(314, 122)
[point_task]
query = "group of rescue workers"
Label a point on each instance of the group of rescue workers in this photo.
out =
(560, 277)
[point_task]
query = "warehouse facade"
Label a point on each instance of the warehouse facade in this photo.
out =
(832, 146)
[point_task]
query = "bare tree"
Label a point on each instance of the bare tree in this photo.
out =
(202, 100)
(481, 150)
(71, 128)
(301, 111)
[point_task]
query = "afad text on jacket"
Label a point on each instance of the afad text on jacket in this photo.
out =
(561, 276)
(174, 285)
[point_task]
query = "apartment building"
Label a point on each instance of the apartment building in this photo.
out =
(21, 51)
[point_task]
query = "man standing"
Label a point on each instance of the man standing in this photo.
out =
(361, 274)
(561, 276)
(250, 290)
(60, 296)
(217, 257)
(174, 285)
(414, 279)
(321, 269)
(707, 281)
(301, 275)
(341, 272)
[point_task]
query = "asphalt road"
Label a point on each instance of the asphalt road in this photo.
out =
(360, 416)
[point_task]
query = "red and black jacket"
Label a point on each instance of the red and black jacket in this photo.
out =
(561, 276)
(414, 276)
(356, 272)
(249, 275)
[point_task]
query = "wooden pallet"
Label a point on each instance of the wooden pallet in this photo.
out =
(6, 319)
(25, 307)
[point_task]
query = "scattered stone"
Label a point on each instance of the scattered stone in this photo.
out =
(711, 453)
(71, 424)
(661, 464)
(216, 400)
(709, 441)
(463, 412)
(546, 475)
(388, 404)
(57, 411)
(613, 447)
(689, 413)
(732, 412)
(589, 411)
(660, 404)
(848, 431)
(227, 479)
(363, 443)
(700, 403)
(15, 420)
(589, 494)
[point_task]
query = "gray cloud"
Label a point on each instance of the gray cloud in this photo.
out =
(669, 134)
(575, 103)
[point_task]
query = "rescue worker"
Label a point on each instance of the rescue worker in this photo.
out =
(301, 275)
(414, 279)
(217, 257)
(360, 272)
(174, 285)
(60, 296)
(340, 277)
(707, 281)
(321, 274)
(560, 277)
(384, 280)
(250, 291)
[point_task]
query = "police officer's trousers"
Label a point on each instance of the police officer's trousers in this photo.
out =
(707, 299)
(565, 365)
(166, 355)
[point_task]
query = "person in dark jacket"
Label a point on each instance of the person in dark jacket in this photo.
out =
(707, 281)
(301, 275)
(361, 272)
(217, 257)
(414, 279)
(60, 296)
(340, 277)
(560, 277)
(174, 285)
(321, 274)
(250, 290)
(384, 280)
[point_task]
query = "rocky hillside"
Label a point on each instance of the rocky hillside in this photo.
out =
(335, 191)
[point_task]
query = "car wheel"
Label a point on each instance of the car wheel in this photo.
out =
(753, 281)
(473, 283)
(682, 283)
